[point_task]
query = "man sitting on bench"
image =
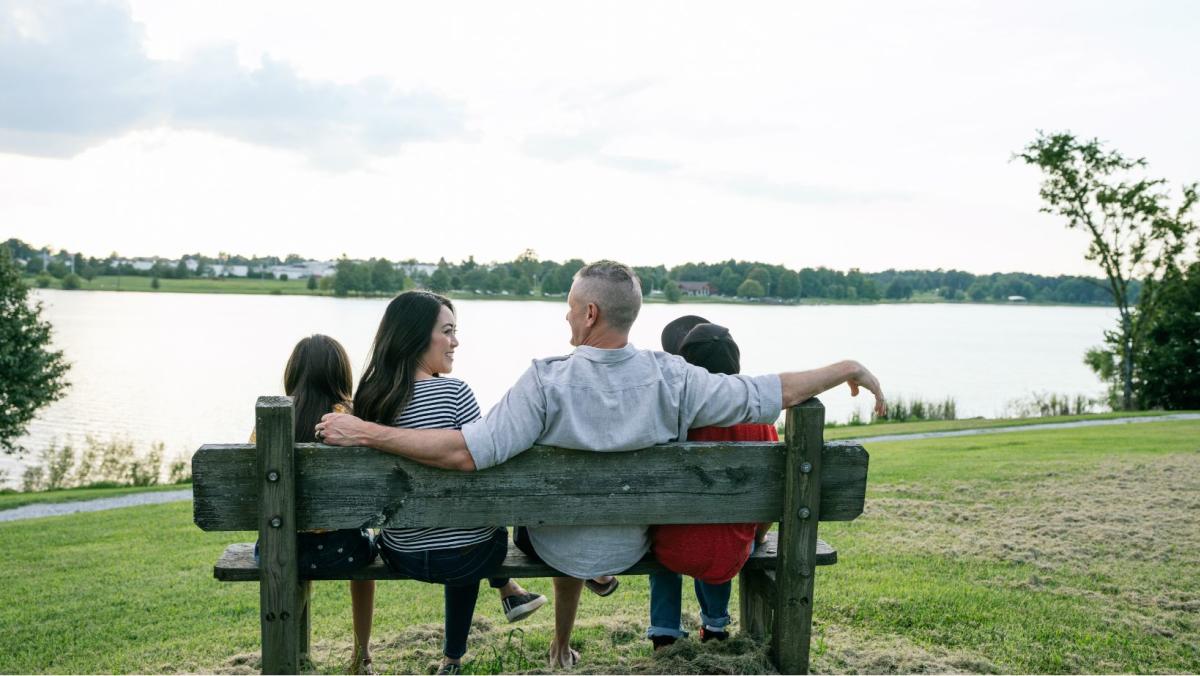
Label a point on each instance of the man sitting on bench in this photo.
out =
(605, 396)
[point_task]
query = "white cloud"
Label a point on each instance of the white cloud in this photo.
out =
(81, 77)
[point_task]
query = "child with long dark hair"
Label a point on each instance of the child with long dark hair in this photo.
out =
(318, 379)
(404, 386)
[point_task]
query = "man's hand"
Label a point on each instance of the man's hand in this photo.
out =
(438, 448)
(342, 429)
(803, 385)
(867, 380)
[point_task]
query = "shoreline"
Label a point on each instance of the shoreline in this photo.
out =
(254, 287)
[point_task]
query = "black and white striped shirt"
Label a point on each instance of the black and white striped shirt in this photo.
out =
(437, 403)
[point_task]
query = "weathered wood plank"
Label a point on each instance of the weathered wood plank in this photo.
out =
(280, 611)
(236, 564)
(798, 537)
(756, 599)
(353, 487)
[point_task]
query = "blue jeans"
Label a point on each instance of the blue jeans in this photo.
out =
(460, 569)
(666, 603)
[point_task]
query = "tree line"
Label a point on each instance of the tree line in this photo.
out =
(527, 275)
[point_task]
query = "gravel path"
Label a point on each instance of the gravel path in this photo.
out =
(58, 508)
(134, 499)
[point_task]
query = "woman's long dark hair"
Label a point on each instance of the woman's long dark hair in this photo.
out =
(316, 377)
(404, 334)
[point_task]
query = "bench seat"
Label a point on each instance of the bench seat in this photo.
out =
(237, 564)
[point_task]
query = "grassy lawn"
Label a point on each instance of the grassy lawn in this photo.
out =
(917, 427)
(10, 499)
(1045, 551)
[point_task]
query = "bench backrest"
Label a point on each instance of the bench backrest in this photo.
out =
(686, 482)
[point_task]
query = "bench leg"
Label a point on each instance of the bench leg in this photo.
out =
(305, 603)
(756, 591)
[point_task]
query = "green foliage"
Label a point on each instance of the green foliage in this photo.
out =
(102, 463)
(671, 291)
(439, 281)
(899, 409)
(1134, 233)
(155, 284)
(751, 289)
(1169, 358)
(311, 284)
(72, 282)
(1051, 404)
(898, 289)
(43, 281)
(33, 375)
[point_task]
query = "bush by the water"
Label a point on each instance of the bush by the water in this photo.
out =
(1047, 404)
(102, 463)
(900, 409)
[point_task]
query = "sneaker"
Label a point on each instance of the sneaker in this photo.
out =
(520, 606)
(707, 635)
(450, 668)
(661, 642)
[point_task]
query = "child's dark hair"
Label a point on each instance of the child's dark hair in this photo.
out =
(317, 377)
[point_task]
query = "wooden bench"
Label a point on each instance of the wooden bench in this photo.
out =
(278, 486)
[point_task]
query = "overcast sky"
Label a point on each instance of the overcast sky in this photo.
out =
(869, 135)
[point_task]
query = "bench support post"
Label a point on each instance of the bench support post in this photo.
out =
(281, 598)
(804, 430)
(756, 599)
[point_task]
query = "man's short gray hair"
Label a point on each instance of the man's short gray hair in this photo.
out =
(614, 288)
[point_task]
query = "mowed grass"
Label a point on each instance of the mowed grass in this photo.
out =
(1045, 551)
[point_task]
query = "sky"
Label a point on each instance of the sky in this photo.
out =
(847, 135)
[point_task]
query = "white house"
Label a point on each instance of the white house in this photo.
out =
(413, 268)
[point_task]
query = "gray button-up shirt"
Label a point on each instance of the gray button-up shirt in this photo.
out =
(611, 400)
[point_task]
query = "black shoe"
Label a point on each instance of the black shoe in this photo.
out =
(520, 606)
(707, 635)
(661, 642)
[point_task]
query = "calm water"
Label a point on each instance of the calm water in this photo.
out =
(185, 368)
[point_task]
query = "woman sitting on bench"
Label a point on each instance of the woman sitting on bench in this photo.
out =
(403, 386)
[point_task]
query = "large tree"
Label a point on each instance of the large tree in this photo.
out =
(1134, 232)
(1169, 362)
(31, 373)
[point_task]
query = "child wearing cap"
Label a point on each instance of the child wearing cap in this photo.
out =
(712, 554)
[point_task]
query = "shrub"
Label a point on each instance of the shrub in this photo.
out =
(1047, 404)
(72, 282)
(43, 281)
(901, 410)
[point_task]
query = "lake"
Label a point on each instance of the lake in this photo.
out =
(184, 369)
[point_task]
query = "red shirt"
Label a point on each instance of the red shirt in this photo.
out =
(712, 553)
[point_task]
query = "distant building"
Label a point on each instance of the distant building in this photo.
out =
(1016, 299)
(219, 270)
(413, 268)
(696, 288)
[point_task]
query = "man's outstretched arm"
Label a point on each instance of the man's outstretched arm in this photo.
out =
(800, 386)
(437, 448)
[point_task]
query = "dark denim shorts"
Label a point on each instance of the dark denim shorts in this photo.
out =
(456, 566)
(333, 552)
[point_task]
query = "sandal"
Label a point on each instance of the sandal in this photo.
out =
(361, 663)
(571, 661)
(603, 589)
